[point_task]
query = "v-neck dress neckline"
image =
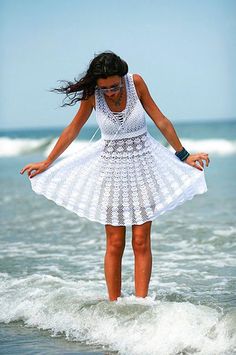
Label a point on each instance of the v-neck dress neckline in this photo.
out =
(118, 113)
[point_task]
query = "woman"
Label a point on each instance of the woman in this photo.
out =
(126, 178)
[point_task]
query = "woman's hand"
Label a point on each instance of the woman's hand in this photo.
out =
(38, 167)
(196, 160)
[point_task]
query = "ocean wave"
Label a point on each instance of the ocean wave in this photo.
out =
(20, 146)
(130, 325)
(10, 147)
(216, 146)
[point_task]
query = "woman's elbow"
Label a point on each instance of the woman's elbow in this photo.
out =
(164, 123)
(71, 131)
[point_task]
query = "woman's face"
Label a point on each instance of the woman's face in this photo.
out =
(110, 86)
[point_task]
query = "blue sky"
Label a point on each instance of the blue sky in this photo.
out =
(185, 51)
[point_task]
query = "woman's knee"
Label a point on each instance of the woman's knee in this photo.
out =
(141, 244)
(141, 239)
(115, 240)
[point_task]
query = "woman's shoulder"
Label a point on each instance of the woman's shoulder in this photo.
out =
(138, 83)
(88, 103)
(137, 78)
(91, 100)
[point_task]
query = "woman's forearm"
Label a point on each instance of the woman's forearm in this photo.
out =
(65, 139)
(168, 131)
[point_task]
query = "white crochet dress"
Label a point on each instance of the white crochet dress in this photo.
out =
(127, 177)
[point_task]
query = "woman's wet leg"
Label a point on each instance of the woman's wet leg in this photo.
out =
(115, 239)
(141, 243)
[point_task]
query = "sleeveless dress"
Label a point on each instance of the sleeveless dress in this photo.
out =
(126, 177)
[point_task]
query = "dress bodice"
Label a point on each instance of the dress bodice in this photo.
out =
(130, 122)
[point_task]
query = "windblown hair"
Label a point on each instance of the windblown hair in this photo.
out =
(101, 67)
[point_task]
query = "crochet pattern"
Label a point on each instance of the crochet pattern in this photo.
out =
(126, 177)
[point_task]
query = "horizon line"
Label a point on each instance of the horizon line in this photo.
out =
(197, 121)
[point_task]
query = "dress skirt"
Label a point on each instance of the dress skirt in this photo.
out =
(121, 182)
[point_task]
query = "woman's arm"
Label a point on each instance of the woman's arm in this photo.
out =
(72, 130)
(164, 124)
(66, 138)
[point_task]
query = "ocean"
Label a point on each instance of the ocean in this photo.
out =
(53, 297)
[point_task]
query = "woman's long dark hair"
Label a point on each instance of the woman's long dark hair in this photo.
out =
(101, 67)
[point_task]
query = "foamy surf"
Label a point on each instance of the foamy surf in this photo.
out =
(21, 146)
(10, 147)
(131, 325)
(211, 146)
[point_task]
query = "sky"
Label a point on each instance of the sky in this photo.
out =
(185, 51)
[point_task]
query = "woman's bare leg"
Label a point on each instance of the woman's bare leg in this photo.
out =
(115, 237)
(141, 243)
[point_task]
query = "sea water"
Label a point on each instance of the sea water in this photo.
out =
(53, 297)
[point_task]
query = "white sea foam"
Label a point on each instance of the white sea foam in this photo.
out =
(211, 146)
(75, 146)
(129, 325)
(20, 146)
(226, 232)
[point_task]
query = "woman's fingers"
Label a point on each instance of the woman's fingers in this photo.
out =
(199, 165)
(202, 156)
(31, 169)
(25, 168)
(207, 161)
(200, 162)
(33, 174)
(195, 165)
(196, 161)
(35, 168)
(205, 157)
